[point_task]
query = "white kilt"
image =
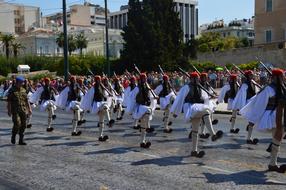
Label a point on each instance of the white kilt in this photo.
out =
(98, 106)
(141, 110)
(73, 105)
(47, 103)
(190, 110)
(165, 101)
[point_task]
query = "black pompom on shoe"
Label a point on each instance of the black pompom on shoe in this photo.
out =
(217, 136)
(198, 154)
(111, 123)
(50, 129)
(215, 121)
(170, 130)
(150, 130)
(78, 133)
(281, 169)
(54, 117)
(170, 123)
(253, 142)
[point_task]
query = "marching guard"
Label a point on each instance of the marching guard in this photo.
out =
(119, 96)
(143, 106)
(243, 96)
(69, 99)
(227, 95)
(265, 110)
(46, 96)
(95, 101)
(191, 99)
(167, 97)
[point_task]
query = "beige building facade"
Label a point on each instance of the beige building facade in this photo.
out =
(270, 21)
(86, 15)
(17, 18)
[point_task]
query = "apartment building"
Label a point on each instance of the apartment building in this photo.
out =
(17, 18)
(270, 21)
(243, 28)
(86, 15)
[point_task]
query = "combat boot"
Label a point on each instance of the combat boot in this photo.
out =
(21, 140)
(13, 139)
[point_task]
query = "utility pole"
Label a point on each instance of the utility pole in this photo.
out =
(66, 63)
(106, 38)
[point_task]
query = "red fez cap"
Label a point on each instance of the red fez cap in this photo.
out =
(72, 78)
(204, 75)
(80, 81)
(133, 78)
(47, 80)
(97, 78)
(143, 76)
(195, 75)
(233, 77)
(248, 72)
(165, 77)
(277, 72)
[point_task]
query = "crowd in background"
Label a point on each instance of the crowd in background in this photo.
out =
(217, 79)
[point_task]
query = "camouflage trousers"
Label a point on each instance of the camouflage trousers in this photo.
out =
(19, 123)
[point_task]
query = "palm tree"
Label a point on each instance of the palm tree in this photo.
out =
(16, 47)
(7, 39)
(81, 42)
(60, 40)
(71, 44)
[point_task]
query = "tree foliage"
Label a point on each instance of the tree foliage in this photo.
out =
(213, 41)
(7, 40)
(153, 35)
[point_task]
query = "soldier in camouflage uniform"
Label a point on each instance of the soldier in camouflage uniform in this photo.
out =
(18, 107)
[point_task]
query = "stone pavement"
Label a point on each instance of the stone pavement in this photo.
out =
(58, 161)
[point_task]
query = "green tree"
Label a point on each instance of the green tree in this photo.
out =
(60, 40)
(153, 35)
(72, 44)
(191, 48)
(7, 39)
(16, 47)
(81, 42)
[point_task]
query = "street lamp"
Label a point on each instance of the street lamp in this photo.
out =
(66, 64)
(106, 39)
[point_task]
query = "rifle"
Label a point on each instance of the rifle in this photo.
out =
(255, 83)
(109, 93)
(206, 81)
(265, 67)
(169, 83)
(69, 74)
(110, 85)
(149, 88)
(230, 74)
(199, 84)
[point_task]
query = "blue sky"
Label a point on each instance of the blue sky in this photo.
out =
(209, 10)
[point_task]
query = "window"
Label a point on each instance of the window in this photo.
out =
(238, 34)
(268, 35)
(269, 5)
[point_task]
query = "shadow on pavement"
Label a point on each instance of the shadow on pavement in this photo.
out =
(224, 146)
(166, 161)
(180, 140)
(80, 143)
(118, 150)
(44, 138)
(250, 177)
